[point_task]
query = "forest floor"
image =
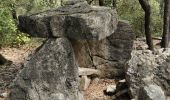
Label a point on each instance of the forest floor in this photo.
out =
(19, 55)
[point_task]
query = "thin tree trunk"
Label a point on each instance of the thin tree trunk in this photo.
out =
(14, 14)
(166, 26)
(146, 7)
(161, 5)
(114, 3)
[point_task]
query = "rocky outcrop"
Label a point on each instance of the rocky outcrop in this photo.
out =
(146, 67)
(50, 74)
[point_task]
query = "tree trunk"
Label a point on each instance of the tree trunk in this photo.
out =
(101, 2)
(114, 3)
(161, 5)
(146, 7)
(165, 37)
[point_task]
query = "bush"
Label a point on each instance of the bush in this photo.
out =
(9, 35)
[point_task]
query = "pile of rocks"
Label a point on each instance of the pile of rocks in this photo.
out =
(148, 74)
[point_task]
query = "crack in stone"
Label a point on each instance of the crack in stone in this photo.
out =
(90, 54)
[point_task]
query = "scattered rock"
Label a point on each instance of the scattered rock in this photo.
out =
(88, 71)
(84, 83)
(151, 92)
(111, 89)
(4, 95)
(122, 81)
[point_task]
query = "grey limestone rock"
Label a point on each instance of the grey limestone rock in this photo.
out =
(51, 74)
(108, 55)
(151, 92)
(146, 68)
(76, 20)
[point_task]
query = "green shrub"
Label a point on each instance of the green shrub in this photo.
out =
(9, 35)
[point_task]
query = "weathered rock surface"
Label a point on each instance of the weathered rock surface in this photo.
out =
(108, 55)
(151, 92)
(147, 68)
(76, 20)
(51, 74)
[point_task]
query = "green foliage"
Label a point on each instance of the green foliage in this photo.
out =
(9, 35)
(132, 11)
(7, 27)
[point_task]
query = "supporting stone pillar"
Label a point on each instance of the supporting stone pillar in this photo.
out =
(51, 74)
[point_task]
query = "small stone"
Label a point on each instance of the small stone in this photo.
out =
(111, 89)
(122, 81)
(4, 95)
(84, 83)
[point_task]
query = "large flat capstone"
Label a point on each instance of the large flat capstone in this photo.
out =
(76, 20)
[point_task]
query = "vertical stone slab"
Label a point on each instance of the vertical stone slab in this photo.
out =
(51, 74)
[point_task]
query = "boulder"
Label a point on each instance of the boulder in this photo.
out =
(51, 74)
(76, 20)
(146, 67)
(151, 92)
